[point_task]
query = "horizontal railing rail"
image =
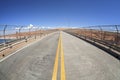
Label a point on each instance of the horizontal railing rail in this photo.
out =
(10, 34)
(108, 35)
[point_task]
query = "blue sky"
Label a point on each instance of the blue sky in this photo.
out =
(60, 12)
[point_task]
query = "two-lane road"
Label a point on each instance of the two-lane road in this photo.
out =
(79, 59)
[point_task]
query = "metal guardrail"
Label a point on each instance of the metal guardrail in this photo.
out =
(13, 35)
(108, 35)
(10, 34)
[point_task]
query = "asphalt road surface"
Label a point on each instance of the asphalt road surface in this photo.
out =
(82, 61)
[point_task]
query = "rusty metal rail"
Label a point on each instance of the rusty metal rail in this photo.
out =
(10, 34)
(108, 35)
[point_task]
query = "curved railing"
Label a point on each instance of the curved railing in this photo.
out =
(108, 35)
(10, 34)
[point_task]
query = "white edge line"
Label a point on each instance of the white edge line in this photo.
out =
(23, 48)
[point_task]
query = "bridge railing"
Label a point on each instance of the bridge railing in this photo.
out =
(10, 34)
(108, 35)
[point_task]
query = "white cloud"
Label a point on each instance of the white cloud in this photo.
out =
(17, 28)
(31, 25)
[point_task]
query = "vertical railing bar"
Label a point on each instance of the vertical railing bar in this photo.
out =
(20, 31)
(117, 34)
(101, 30)
(4, 33)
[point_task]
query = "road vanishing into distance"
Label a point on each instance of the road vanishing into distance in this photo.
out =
(60, 56)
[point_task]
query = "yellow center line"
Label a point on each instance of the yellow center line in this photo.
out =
(55, 69)
(61, 52)
(62, 61)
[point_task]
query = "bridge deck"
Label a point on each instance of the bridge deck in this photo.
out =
(82, 61)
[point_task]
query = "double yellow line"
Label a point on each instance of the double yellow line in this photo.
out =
(61, 53)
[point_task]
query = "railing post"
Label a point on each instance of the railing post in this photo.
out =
(20, 31)
(36, 32)
(29, 31)
(40, 32)
(91, 37)
(116, 38)
(4, 33)
(101, 32)
(84, 34)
